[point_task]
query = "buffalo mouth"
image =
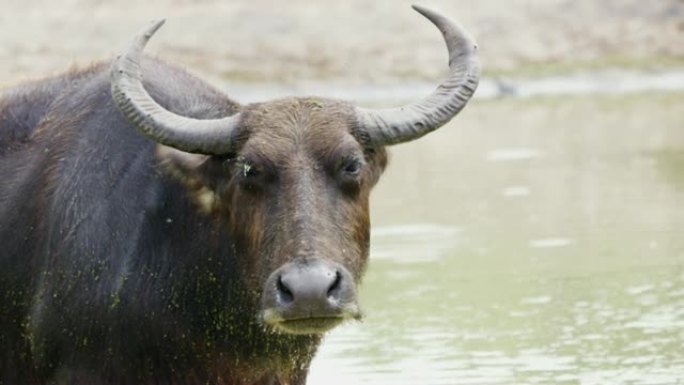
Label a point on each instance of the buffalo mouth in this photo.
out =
(306, 325)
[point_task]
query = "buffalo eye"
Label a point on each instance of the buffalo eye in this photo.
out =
(249, 170)
(353, 167)
(349, 172)
(251, 176)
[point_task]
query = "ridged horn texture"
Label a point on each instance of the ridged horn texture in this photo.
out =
(403, 124)
(210, 137)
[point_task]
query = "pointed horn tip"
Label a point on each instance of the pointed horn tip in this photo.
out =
(439, 19)
(154, 26)
(418, 8)
(427, 12)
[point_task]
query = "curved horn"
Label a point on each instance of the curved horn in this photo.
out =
(397, 125)
(211, 137)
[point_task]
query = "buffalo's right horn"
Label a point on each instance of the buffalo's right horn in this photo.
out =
(397, 125)
(211, 136)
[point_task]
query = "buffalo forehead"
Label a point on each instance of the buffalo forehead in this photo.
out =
(317, 127)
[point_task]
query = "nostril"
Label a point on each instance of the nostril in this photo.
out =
(284, 292)
(334, 289)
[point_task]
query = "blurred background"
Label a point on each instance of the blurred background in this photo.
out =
(536, 239)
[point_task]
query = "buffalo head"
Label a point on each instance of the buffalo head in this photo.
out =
(292, 178)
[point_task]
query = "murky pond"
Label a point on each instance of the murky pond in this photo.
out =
(533, 241)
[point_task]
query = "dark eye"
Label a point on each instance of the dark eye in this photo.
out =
(352, 167)
(349, 175)
(248, 170)
(245, 167)
(251, 175)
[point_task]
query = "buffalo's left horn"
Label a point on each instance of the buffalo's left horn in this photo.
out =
(211, 136)
(397, 125)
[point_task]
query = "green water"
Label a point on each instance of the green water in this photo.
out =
(530, 242)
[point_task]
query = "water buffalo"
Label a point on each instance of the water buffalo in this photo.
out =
(153, 231)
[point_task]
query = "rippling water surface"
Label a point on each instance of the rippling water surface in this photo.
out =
(530, 242)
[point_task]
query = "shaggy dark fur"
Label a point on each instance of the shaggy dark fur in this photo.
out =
(126, 262)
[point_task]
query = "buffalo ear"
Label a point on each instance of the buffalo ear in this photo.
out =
(183, 166)
(195, 172)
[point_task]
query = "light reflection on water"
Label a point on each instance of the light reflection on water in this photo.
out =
(575, 276)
